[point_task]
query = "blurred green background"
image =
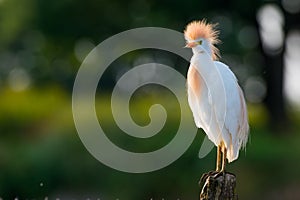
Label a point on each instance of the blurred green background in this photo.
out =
(42, 44)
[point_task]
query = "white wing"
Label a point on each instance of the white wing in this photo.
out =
(235, 130)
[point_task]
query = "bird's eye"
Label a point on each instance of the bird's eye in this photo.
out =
(200, 42)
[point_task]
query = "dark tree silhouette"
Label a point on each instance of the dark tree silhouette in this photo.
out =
(274, 67)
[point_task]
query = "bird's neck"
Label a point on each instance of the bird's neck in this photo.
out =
(204, 47)
(196, 50)
(201, 57)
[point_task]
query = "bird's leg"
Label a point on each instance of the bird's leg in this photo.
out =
(219, 159)
(224, 158)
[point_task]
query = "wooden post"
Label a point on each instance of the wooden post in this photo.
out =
(218, 186)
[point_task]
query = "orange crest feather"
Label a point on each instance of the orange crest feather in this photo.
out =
(202, 29)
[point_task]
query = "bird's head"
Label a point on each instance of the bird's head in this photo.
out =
(201, 35)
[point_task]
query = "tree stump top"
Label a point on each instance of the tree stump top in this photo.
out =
(218, 186)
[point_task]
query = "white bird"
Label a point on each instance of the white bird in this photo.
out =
(215, 97)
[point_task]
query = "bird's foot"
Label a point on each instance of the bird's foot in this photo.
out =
(214, 174)
(220, 173)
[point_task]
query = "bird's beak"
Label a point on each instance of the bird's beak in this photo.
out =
(190, 45)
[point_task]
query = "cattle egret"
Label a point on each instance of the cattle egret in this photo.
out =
(231, 133)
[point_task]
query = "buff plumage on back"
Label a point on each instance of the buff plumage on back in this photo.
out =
(202, 29)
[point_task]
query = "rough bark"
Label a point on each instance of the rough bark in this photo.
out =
(218, 185)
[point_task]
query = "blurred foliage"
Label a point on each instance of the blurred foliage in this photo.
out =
(42, 44)
(47, 158)
(41, 36)
(32, 109)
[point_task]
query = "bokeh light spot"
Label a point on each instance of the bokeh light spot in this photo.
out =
(271, 22)
(291, 6)
(292, 69)
(19, 79)
(255, 89)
